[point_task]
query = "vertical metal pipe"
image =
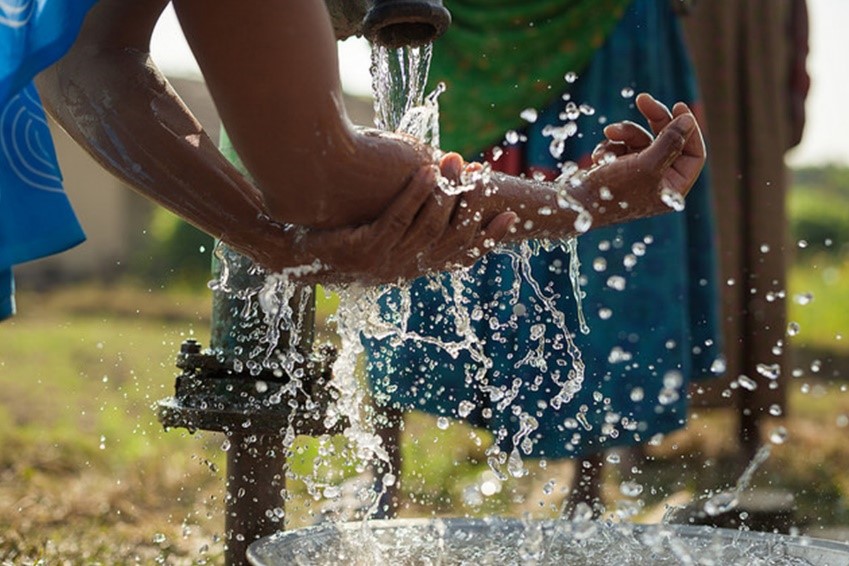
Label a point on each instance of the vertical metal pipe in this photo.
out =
(255, 462)
(255, 499)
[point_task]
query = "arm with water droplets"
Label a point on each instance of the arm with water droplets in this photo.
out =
(109, 96)
(634, 175)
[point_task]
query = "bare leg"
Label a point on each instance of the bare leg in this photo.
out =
(586, 485)
(389, 422)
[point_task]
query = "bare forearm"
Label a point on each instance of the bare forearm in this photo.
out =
(554, 210)
(141, 132)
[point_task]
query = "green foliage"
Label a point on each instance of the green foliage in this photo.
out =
(175, 252)
(818, 301)
(818, 209)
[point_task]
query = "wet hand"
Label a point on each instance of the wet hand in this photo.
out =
(421, 231)
(650, 174)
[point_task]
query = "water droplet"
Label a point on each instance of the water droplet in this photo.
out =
(512, 137)
(775, 410)
(583, 222)
(627, 92)
(497, 152)
(769, 371)
(613, 458)
(570, 77)
(616, 282)
(261, 386)
(718, 366)
(637, 394)
(599, 264)
(802, 244)
(668, 396)
(673, 199)
(617, 355)
(816, 366)
(605, 194)
(225, 446)
(778, 435)
(803, 298)
(515, 467)
(465, 408)
(630, 489)
(159, 538)
(442, 423)
(604, 313)
(332, 492)
(747, 382)
(586, 109)
(571, 112)
(793, 328)
(529, 115)
(721, 503)
(764, 248)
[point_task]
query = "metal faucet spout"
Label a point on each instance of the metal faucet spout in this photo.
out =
(400, 23)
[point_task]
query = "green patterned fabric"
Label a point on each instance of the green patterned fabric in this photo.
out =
(502, 56)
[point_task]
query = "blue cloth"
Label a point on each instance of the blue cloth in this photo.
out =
(7, 294)
(663, 329)
(36, 218)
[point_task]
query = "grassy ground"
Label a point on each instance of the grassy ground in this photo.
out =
(88, 476)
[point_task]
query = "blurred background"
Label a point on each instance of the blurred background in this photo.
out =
(88, 475)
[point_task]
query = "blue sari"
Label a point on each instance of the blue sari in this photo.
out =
(646, 341)
(36, 218)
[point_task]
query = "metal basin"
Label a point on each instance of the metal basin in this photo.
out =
(501, 542)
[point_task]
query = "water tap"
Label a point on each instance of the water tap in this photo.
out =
(391, 23)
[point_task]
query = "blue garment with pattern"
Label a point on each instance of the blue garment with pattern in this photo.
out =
(36, 218)
(646, 342)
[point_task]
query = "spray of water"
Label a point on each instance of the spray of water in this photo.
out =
(399, 78)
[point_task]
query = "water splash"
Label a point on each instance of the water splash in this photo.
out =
(726, 501)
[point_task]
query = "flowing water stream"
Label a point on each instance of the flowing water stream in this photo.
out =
(401, 105)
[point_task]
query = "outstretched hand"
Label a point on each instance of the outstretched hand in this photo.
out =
(650, 174)
(422, 230)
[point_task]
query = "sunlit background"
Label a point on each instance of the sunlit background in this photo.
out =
(87, 475)
(828, 115)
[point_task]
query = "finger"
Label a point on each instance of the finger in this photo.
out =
(454, 249)
(428, 227)
(402, 211)
(451, 166)
(500, 226)
(631, 134)
(465, 226)
(657, 114)
(670, 143)
(604, 150)
(696, 144)
(495, 232)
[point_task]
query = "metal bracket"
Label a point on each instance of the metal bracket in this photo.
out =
(211, 396)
